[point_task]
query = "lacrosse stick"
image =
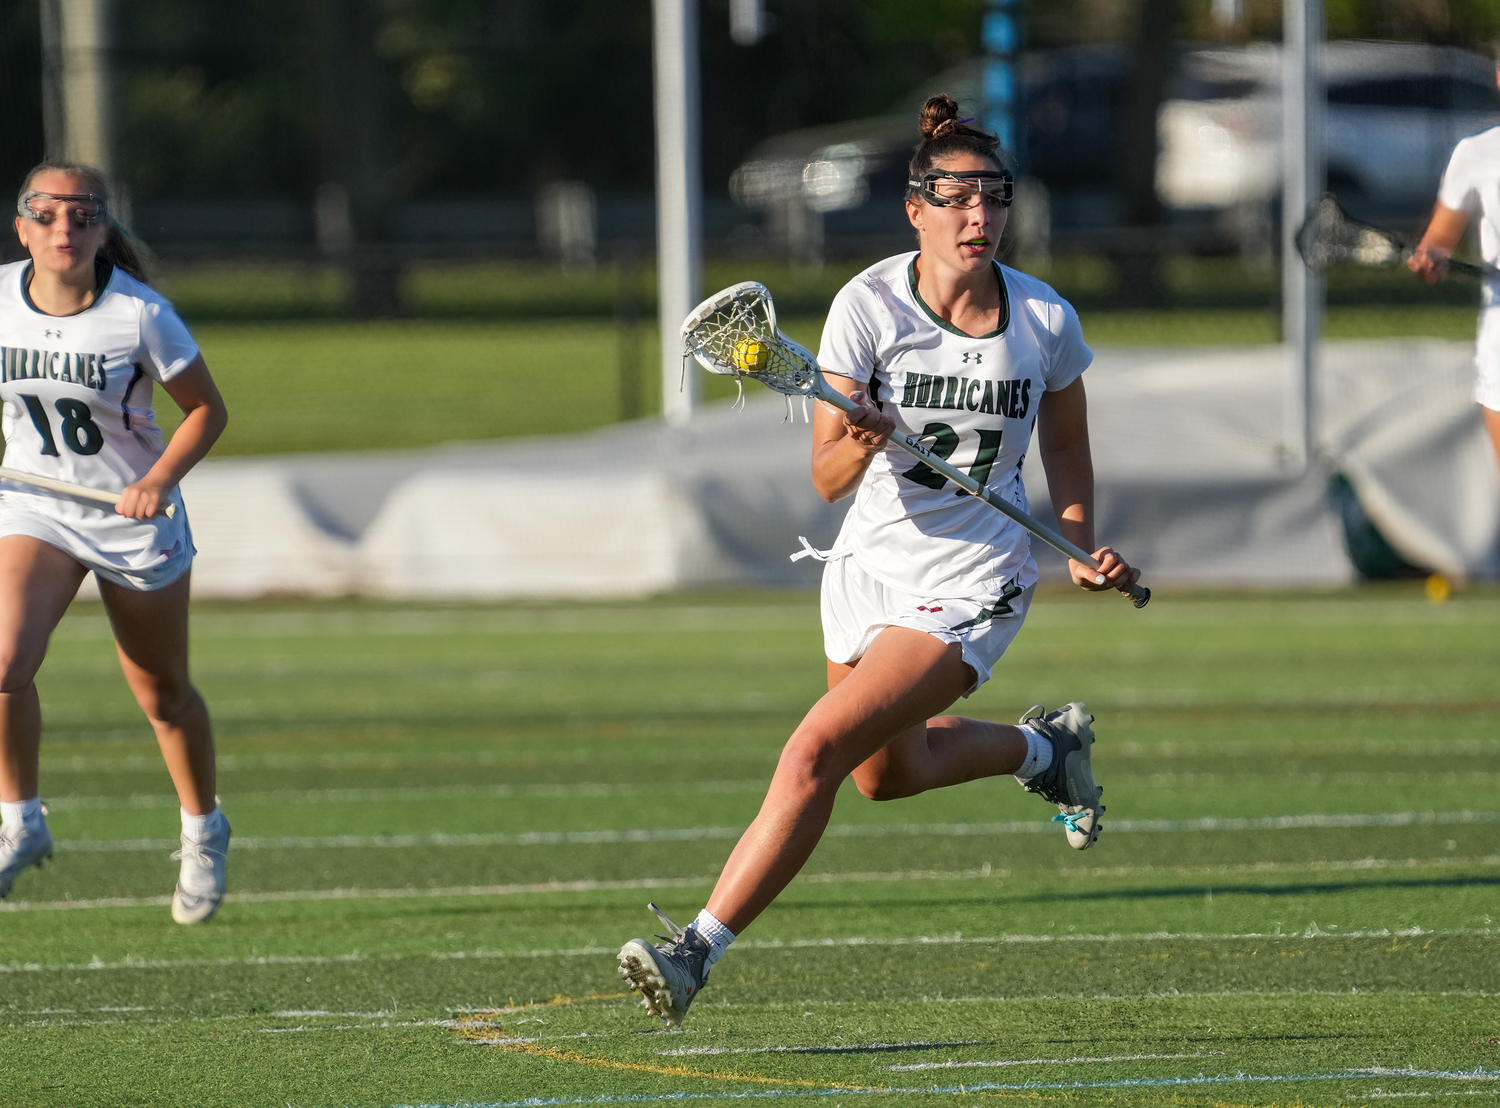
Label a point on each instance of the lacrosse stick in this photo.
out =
(1330, 235)
(83, 492)
(734, 333)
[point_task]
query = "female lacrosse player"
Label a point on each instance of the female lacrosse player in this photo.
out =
(924, 588)
(82, 339)
(1471, 188)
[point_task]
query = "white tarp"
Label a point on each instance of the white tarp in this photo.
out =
(1192, 485)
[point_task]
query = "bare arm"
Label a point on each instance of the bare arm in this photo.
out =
(1063, 438)
(845, 442)
(204, 420)
(1446, 230)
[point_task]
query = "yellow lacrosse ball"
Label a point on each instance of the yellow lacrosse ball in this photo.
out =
(751, 355)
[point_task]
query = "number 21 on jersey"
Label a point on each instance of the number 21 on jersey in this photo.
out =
(945, 441)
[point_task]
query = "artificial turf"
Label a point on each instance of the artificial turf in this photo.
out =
(448, 817)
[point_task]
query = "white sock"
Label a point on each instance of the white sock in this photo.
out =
(23, 813)
(1038, 755)
(195, 828)
(719, 937)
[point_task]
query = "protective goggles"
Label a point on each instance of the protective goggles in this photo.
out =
(963, 189)
(82, 209)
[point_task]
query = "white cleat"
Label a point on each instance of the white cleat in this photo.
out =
(19, 848)
(200, 885)
(1069, 781)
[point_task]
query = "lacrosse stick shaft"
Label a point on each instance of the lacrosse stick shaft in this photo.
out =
(1138, 593)
(1471, 269)
(83, 492)
(1458, 265)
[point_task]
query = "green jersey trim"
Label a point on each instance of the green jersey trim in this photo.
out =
(911, 280)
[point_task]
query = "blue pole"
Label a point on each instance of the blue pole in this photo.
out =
(1002, 35)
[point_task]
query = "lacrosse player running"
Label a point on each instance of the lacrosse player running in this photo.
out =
(1471, 189)
(82, 339)
(924, 588)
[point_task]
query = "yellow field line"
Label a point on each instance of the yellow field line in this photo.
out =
(480, 1031)
(675, 1071)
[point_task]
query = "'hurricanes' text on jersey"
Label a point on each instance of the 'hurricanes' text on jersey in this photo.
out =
(972, 400)
(77, 389)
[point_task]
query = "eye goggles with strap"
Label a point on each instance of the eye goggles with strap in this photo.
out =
(964, 188)
(82, 209)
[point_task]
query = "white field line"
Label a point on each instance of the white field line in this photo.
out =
(1030, 1087)
(294, 1013)
(436, 622)
(882, 1047)
(409, 794)
(583, 790)
(172, 1021)
(914, 1044)
(1378, 1095)
(1156, 752)
(1052, 1061)
(1410, 1071)
(545, 887)
(1311, 934)
(367, 1025)
(1312, 821)
(499, 1038)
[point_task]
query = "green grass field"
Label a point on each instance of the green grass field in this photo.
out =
(504, 350)
(448, 817)
(295, 386)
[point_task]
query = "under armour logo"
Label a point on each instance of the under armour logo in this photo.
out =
(51, 334)
(978, 358)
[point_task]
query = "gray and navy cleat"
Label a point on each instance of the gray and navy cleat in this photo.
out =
(668, 977)
(1069, 781)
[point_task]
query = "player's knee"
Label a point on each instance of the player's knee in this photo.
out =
(811, 761)
(18, 668)
(164, 701)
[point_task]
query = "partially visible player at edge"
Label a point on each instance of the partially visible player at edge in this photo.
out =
(82, 339)
(926, 586)
(1471, 189)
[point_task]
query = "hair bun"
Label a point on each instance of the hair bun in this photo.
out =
(939, 116)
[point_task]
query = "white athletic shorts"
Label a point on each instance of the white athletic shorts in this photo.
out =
(857, 607)
(139, 554)
(1487, 360)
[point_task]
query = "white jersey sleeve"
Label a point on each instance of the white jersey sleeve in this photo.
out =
(77, 390)
(1471, 184)
(1068, 354)
(164, 338)
(852, 332)
(973, 400)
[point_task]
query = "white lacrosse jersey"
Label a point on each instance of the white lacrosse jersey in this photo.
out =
(77, 389)
(972, 400)
(1471, 184)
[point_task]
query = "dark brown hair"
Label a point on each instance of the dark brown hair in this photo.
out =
(117, 249)
(944, 135)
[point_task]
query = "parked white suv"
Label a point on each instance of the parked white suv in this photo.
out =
(1395, 111)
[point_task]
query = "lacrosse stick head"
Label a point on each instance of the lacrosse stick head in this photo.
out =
(734, 333)
(1329, 235)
